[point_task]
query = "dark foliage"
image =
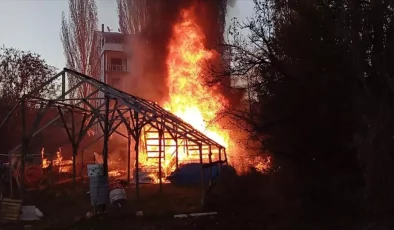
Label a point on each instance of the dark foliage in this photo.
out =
(21, 72)
(323, 95)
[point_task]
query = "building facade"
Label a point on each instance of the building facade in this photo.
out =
(115, 62)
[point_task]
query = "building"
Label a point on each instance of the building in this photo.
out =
(115, 62)
(114, 59)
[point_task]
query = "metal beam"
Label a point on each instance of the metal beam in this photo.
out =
(147, 111)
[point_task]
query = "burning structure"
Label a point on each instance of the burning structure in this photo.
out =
(174, 137)
(161, 56)
(163, 61)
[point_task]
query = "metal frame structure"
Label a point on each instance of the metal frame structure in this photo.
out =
(108, 108)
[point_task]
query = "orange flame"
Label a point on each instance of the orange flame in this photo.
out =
(64, 166)
(44, 161)
(189, 98)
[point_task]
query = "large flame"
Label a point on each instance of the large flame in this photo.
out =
(189, 97)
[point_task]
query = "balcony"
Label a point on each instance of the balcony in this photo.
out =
(116, 68)
(112, 47)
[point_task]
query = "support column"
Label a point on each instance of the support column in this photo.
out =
(24, 148)
(63, 96)
(105, 147)
(11, 171)
(75, 153)
(202, 174)
(74, 145)
(160, 156)
(137, 142)
(82, 165)
(128, 157)
(106, 137)
(210, 165)
(220, 159)
(176, 151)
(225, 156)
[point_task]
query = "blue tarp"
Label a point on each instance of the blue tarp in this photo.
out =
(190, 174)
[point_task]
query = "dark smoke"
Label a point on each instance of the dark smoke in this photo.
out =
(212, 20)
(163, 15)
(151, 48)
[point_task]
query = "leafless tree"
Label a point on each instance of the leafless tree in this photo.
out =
(133, 15)
(79, 41)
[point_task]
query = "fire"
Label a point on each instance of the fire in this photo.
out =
(44, 161)
(64, 166)
(189, 97)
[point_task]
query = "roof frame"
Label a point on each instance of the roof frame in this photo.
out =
(148, 111)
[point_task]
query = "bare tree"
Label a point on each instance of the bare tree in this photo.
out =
(133, 15)
(79, 41)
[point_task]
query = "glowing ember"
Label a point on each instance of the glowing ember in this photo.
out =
(114, 173)
(189, 98)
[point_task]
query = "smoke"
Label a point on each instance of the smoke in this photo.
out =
(231, 3)
(149, 49)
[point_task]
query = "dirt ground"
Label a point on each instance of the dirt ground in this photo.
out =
(240, 204)
(65, 207)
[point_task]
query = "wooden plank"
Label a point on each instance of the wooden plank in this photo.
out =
(10, 203)
(15, 217)
(10, 209)
(4, 207)
(11, 219)
(11, 200)
(10, 215)
(13, 210)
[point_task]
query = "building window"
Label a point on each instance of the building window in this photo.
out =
(116, 64)
(116, 61)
